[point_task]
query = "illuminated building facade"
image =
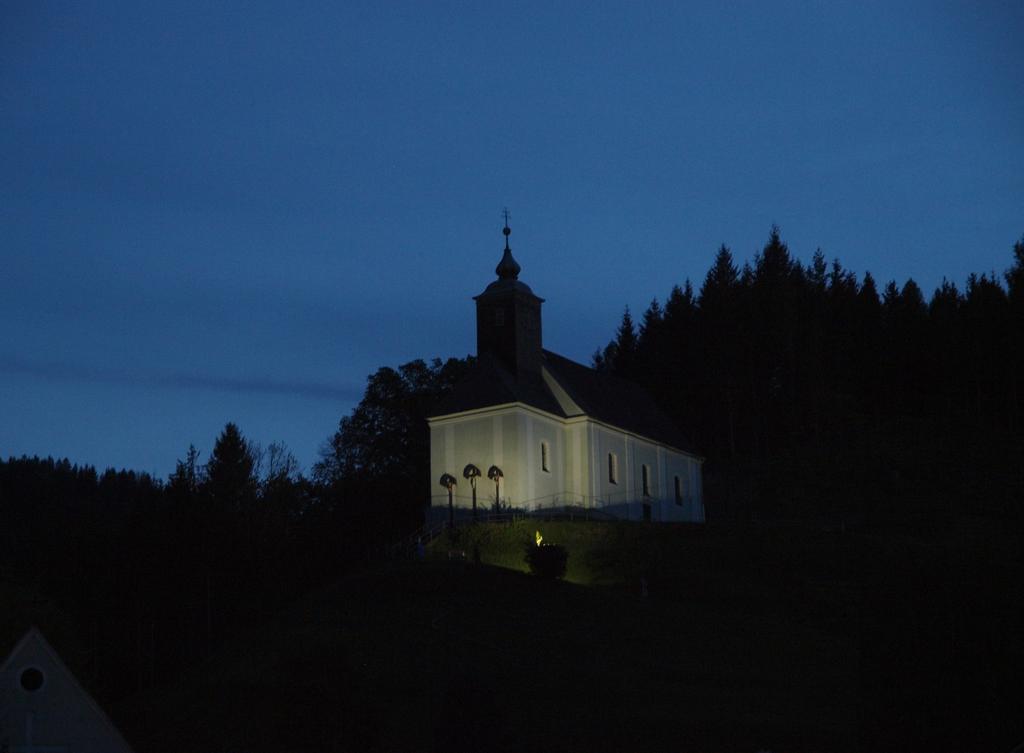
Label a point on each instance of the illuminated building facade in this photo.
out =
(555, 432)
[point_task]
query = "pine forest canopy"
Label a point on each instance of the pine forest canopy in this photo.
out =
(789, 369)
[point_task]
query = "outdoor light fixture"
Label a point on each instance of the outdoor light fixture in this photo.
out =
(472, 473)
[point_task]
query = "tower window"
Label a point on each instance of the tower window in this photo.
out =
(646, 475)
(613, 468)
(499, 317)
(679, 492)
(545, 457)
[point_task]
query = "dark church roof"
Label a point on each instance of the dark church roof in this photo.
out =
(600, 396)
(490, 383)
(614, 401)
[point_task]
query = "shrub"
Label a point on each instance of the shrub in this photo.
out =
(547, 561)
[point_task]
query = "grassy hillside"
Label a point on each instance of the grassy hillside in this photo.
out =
(750, 638)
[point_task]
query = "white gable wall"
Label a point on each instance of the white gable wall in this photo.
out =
(483, 438)
(60, 715)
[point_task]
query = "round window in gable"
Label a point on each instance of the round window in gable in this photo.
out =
(32, 679)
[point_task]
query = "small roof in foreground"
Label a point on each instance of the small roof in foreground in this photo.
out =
(74, 721)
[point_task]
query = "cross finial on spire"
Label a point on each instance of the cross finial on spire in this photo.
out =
(507, 268)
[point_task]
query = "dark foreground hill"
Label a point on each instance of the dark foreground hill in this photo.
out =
(749, 639)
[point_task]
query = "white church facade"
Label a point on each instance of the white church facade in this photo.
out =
(532, 430)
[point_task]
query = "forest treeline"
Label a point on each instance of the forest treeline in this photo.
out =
(812, 393)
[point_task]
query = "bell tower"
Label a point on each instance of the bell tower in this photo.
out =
(508, 320)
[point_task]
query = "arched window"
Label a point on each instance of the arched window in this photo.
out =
(545, 457)
(682, 488)
(646, 475)
(613, 468)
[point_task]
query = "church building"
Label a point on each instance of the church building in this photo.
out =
(530, 429)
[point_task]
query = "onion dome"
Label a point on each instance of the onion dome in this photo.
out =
(508, 268)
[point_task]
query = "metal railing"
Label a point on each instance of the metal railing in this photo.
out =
(623, 505)
(558, 499)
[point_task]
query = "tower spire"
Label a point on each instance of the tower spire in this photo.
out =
(508, 268)
(508, 320)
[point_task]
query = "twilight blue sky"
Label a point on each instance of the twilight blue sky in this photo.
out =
(214, 212)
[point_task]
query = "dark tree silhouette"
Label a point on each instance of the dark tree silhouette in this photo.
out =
(376, 467)
(184, 482)
(1015, 296)
(386, 437)
(231, 480)
(813, 395)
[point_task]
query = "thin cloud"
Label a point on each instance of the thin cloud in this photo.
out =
(179, 381)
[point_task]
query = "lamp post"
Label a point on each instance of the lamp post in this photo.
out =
(494, 474)
(448, 482)
(471, 472)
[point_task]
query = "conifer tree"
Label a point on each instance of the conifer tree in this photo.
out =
(817, 270)
(1015, 275)
(723, 349)
(680, 304)
(230, 473)
(651, 321)
(184, 482)
(720, 284)
(650, 363)
(986, 314)
(1015, 297)
(774, 262)
(624, 363)
(868, 293)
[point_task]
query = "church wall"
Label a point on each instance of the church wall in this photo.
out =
(546, 488)
(614, 495)
(688, 469)
(625, 498)
(504, 438)
(578, 466)
(458, 442)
